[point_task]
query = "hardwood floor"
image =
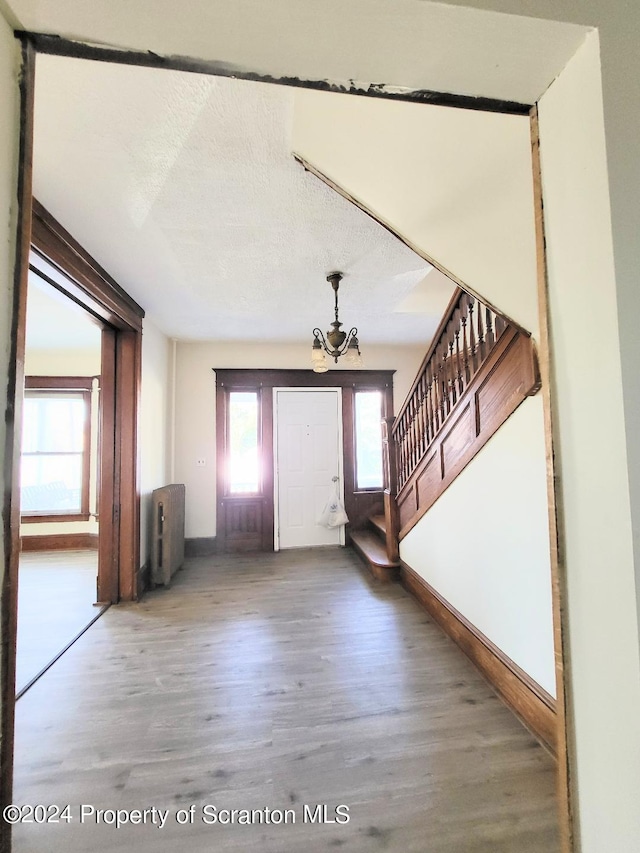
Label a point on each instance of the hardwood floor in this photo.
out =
(279, 681)
(56, 596)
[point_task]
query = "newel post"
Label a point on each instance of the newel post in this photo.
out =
(390, 473)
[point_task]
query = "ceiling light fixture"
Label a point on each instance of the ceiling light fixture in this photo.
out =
(337, 342)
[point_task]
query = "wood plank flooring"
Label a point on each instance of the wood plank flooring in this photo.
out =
(56, 600)
(278, 681)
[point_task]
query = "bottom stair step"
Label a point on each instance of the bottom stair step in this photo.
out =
(374, 553)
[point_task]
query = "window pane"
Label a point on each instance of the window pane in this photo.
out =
(53, 424)
(369, 439)
(243, 442)
(51, 483)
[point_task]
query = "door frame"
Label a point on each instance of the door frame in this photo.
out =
(60, 260)
(276, 467)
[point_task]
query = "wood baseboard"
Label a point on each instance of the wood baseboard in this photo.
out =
(60, 542)
(200, 547)
(530, 702)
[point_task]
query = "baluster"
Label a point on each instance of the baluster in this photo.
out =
(441, 398)
(465, 349)
(481, 342)
(403, 448)
(452, 374)
(421, 418)
(405, 443)
(436, 394)
(400, 447)
(459, 382)
(416, 421)
(430, 414)
(412, 429)
(443, 378)
(489, 336)
(472, 337)
(500, 325)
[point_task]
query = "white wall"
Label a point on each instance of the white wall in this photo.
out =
(498, 572)
(195, 407)
(456, 183)
(56, 362)
(603, 642)
(153, 434)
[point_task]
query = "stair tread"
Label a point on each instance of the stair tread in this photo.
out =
(372, 549)
(380, 523)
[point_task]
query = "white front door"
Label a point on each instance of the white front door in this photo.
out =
(308, 456)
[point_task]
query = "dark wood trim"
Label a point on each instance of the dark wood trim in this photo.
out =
(58, 258)
(565, 733)
(61, 542)
(59, 46)
(67, 266)
(13, 421)
(45, 518)
(530, 702)
(508, 376)
(60, 383)
(108, 508)
(128, 383)
(249, 378)
(203, 546)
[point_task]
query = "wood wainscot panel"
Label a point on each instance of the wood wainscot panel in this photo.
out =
(530, 702)
(407, 504)
(458, 438)
(243, 522)
(429, 480)
(60, 542)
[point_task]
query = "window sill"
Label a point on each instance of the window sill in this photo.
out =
(40, 518)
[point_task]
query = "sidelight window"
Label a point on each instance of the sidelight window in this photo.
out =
(368, 433)
(243, 456)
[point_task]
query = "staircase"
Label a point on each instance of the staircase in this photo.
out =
(371, 544)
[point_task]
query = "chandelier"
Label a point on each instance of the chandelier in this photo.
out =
(337, 342)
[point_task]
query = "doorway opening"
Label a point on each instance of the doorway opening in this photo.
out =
(58, 569)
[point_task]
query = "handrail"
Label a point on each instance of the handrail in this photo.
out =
(468, 332)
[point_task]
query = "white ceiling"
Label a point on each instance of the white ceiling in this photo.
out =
(55, 322)
(184, 188)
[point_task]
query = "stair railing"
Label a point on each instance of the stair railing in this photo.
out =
(468, 332)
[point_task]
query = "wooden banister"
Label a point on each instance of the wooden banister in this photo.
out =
(467, 335)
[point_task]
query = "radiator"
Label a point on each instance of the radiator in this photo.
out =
(167, 540)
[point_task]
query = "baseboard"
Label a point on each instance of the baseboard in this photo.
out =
(143, 579)
(201, 547)
(60, 542)
(530, 702)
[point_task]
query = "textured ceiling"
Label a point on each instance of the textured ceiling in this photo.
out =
(184, 188)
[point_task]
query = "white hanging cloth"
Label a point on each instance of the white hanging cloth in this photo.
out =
(333, 515)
